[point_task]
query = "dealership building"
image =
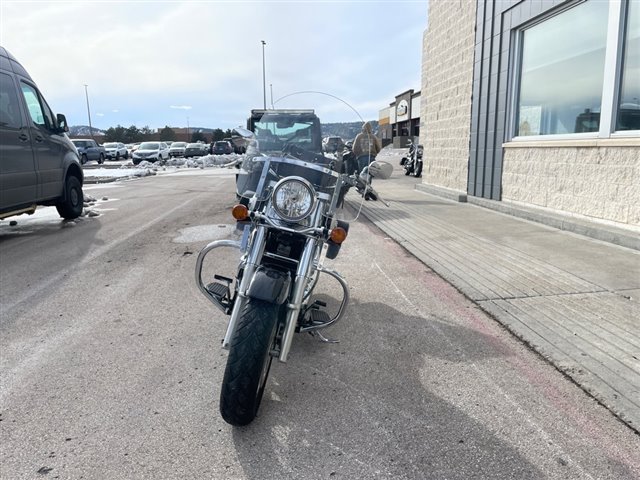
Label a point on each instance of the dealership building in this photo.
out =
(400, 121)
(535, 106)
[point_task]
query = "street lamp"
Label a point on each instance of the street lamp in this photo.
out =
(86, 94)
(271, 87)
(264, 78)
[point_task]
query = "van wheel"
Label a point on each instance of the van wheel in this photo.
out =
(70, 206)
(117, 156)
(84, 159)
(101, 159)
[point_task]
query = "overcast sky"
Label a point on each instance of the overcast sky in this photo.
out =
(166, 63)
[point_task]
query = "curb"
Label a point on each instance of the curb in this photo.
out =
(598, 231)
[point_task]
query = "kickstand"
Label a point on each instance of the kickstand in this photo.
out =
(322, 338)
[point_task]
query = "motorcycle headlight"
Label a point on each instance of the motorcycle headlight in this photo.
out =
(293, 199)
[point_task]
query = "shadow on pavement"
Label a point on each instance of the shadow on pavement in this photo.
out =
(359, 409)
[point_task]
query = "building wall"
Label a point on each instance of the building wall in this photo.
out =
(470, 61)
(598, 181)
(447, 75)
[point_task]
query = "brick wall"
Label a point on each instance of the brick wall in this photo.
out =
(447, 75)
(595, 181)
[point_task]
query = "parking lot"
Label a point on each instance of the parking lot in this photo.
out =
(111, 363)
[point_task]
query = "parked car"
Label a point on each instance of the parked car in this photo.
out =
(115, 150)
(177, 149)
(89, 150)
(151, 152)
(332, 144)
(38, 163)
(221, 148)
(195, 150)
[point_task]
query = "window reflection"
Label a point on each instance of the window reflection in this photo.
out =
(629, 104)
(562, 72)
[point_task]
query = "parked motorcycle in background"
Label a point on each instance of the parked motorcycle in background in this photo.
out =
(413, 163)
(290, 194)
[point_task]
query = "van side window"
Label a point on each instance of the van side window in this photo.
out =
(9, 106)
(39, 113)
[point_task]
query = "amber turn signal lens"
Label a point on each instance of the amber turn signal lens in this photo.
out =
(240, 212)
(338, 235)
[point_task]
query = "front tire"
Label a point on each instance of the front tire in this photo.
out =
(101, 159)
(84, 159)
(418, 170)
(70, 206)
(249, 362)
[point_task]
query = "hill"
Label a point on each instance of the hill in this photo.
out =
(83, 131)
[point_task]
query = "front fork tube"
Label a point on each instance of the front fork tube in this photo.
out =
(301, 281)
(256, 249)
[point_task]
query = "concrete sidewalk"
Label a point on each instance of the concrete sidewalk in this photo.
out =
(575, 300)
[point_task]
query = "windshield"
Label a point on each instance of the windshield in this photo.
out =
(194, 145)
(221, 144)
(110, 145)
(177, 144)
(259, 174)
(80, 143)
(149, 146)
(275, 130)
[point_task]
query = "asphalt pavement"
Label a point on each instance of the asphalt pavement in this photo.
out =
(111, 365)
(573, 299)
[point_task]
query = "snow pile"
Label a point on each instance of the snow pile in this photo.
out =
(122, 172)
(145, 168)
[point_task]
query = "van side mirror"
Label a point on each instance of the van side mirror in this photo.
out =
(62, 123)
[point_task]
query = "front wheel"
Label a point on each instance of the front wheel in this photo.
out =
(249, 362)
(101, 159)
(418, 172)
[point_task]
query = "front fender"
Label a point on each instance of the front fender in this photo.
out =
(270, 285)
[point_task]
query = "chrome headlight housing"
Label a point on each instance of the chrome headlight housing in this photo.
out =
(293, 199)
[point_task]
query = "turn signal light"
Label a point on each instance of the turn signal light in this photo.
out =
(338, 235)
(240, 212)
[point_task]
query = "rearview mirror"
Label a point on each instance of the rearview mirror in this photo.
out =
(381, 170)
(243, 132)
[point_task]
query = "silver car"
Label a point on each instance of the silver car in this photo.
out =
(151, 152)
(177, 149)
(115, 150)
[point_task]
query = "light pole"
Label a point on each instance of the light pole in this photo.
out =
(271, 87)
(264, 78)
(188, 131)
(86, 94)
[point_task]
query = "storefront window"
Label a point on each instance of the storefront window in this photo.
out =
(629, 104)
(562, 72)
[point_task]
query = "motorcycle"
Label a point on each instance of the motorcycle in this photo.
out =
(413, 163)
(288, 214)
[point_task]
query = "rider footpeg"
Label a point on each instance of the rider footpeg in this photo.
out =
(221, 295)
(318, 317)
(218, 289)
